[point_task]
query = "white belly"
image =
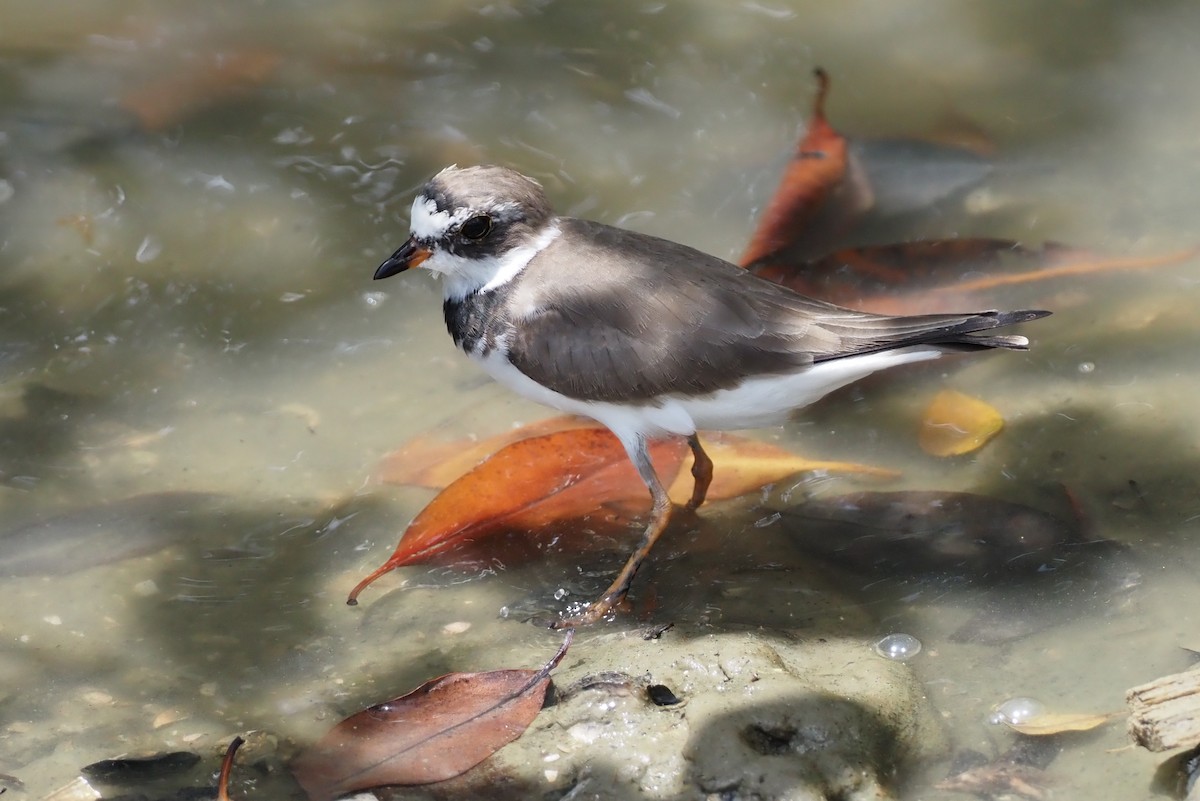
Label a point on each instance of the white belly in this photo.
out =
(758, 402)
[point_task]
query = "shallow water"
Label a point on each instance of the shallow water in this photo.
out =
(186, 307)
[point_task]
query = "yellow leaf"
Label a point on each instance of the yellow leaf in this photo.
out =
(742, 465)
(1059, 722)
(955, 424)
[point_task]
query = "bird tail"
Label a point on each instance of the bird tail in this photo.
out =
(966, 336)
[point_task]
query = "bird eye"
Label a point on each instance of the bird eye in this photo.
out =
(477, 227)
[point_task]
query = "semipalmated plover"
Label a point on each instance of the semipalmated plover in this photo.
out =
(648, 337)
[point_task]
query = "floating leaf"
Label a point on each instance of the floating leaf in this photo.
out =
(527, 485)
(439, 730)
(1059, 722)
(955, 424)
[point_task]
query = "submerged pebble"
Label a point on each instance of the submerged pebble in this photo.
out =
(661, 695)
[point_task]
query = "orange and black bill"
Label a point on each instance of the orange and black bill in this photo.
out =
(410, 254)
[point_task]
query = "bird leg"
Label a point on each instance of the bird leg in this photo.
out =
(702, 472)
(660, 517)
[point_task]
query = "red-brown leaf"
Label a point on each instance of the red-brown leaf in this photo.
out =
(927, 276)
(856, 276)
(527, 485)
(439, 730)
(820, 191)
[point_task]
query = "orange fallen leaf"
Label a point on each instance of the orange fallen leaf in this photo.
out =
(925, 276)
(438, 731)
(828, 187)
(1082, 264)
(862, 277)
(955, 424)
(579, 471)
(821, 191)
(527, 485)
(744, 465)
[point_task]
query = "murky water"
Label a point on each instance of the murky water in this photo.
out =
(193, 198)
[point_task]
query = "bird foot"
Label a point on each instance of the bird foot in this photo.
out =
(595, 612)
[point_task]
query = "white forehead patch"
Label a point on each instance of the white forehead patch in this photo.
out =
(426, 222)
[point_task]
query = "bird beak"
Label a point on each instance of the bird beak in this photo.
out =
(409, 255)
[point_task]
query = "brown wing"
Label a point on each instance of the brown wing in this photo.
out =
(623, 316)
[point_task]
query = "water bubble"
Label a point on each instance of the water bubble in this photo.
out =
(373, 300)
(560, 593)
(1087, 367)
(900, 647)
(1016, 711)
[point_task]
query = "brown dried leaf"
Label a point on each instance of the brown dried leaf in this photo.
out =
(1059, 722)
(955, 424)
(439, 730)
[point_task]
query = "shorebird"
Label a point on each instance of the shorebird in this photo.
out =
(649, 337)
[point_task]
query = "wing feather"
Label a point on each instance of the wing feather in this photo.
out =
(612, 315)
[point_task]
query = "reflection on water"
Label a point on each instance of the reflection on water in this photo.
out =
(197, 375)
